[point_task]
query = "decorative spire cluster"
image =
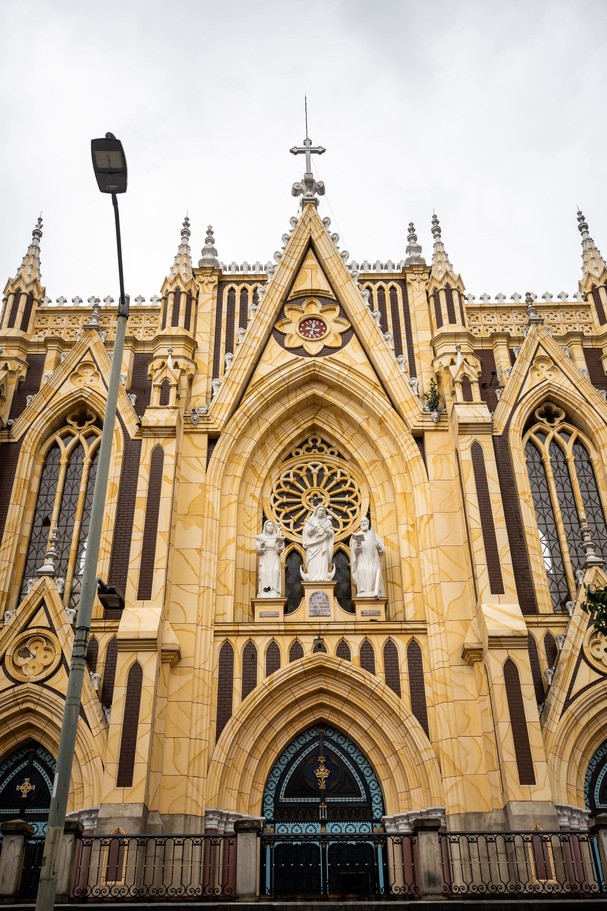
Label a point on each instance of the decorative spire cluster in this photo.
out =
(208, 258)
(440, 260)
(414, 249)
(29, 270)
(593, 263)
(182, 264)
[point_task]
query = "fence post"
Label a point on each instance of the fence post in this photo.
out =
(247, 858)
(14, 834)
(430, 877)
(71, 837)
(598, 827)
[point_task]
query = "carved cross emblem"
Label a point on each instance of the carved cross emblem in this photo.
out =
(26, 787)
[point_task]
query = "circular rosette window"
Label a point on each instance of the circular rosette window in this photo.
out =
(33, 656)
(315, 475)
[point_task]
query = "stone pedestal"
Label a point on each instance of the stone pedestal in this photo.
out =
(247, 858)
(269, 610)
(14, 835)
(72, 832)
(430, 862)
(373, 608)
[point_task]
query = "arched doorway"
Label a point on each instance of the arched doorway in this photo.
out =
(323, 808)
(595, 785)
(26, 783)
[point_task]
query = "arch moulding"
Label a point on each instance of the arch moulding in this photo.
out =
(314, 690)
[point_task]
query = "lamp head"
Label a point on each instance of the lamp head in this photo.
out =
(109, 164)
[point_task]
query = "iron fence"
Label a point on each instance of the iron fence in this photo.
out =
(30, 872)
(521, 863)
(162, 867)
(327, 865)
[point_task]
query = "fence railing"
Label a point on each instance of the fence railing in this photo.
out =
(122, 867)
(521, 863)
(324, 865)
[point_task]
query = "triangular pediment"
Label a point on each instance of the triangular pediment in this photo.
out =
(312, 294)
(36, 644)
(543, 369)
(83, 375)
(311, 279)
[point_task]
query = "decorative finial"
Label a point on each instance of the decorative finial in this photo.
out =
(440, 260)
(532, 314)
(308, 188)
(591, 557)
(29, 270)
(95, 317)
(182, 264)
(208, 258)
(49, 567)
(593, 263)
(414, 249)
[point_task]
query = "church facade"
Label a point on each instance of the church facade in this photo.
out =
(425, 655)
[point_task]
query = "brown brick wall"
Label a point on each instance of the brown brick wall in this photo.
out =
(391, 668)
(296, 651)
(140, 384)
(109, 672)
(551, 648)
(123, 527)
(225, 683)
(514, 526)
(130, 725)
(92, 654)
(417, 687)
(30, 385)
(9, 456)
(488, 377)
(249, 669)
(367, 657)
(450, 304)
(598, 303)
(596, 374)
(150, 528)
(272, 658)
(518, 722)
(536, 670)
(486, 514)
(343, 650)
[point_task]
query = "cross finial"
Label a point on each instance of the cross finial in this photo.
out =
(308, 188)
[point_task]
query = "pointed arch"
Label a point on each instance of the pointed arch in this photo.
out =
(343, 650)
(392, 666)
(272, 658)
(130, 725)
(317, 690)
(518, 723)
(367, 656)
(296, 651)
(249, 668)
(417, 687)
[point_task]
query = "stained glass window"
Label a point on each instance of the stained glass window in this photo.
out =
(65, 498)
(565, 493)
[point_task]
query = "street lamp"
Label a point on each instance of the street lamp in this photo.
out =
(109, 164)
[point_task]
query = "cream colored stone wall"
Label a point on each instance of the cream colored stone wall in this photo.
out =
(216, 473)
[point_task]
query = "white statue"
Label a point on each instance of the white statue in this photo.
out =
(268, 546)
(367, 551)
(318, 536)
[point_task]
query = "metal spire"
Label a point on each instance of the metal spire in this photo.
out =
(308, 188)
(29, 270)
(593, 263)
(182, 264)
(440, 260)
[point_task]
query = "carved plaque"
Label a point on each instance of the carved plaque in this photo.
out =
(320, 606)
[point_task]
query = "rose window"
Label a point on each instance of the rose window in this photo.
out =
(315, 474)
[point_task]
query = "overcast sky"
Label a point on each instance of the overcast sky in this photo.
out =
(490, 113)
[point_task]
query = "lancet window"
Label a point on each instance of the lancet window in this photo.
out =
(565, 494)
(63, 505)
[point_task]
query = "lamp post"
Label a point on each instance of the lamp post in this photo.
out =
(109, 164)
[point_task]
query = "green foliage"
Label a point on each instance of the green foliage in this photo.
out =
(432, 396)
(596, 603)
